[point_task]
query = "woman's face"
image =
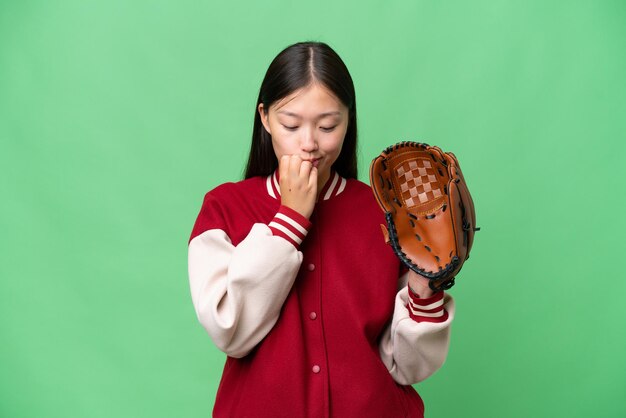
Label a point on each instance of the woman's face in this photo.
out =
(310, 123)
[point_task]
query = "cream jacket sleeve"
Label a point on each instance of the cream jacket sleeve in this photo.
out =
(413, 347)
(238, 291)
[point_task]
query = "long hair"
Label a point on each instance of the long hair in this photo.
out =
(296, 67)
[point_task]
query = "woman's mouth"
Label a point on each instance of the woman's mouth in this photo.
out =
(314, 162)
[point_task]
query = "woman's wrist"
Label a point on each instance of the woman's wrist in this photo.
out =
(419, 285)
(302, 208)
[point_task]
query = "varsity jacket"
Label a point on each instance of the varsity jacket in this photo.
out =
(314, 315)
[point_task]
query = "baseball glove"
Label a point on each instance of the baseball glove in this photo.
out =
(429, 211)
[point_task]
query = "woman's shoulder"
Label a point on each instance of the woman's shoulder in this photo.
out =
(358, 185)
(358, 189)
(229, 190)
(228, 206)
(360, 194)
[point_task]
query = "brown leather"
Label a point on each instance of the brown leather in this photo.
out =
(429, 210)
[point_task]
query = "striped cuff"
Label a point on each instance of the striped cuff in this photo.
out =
(428, 309)
(290, 225)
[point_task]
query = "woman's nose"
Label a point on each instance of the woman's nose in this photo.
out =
(308, 141)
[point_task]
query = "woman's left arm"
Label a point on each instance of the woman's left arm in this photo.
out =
(415, 344)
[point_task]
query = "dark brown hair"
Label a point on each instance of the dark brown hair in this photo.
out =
(295, 67)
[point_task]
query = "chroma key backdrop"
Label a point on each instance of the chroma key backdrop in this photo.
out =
(116, 117)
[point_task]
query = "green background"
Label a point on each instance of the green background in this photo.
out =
(117, 116)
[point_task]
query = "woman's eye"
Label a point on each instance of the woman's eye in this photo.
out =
(325, 129)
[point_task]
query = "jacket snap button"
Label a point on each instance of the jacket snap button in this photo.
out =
(316, 369)
(312, 315)
(311, 267)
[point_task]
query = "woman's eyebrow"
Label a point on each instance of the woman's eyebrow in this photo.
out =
(321, 115)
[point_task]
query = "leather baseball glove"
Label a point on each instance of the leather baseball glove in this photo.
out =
(429, 210)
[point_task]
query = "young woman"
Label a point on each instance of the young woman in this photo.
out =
(289, 272)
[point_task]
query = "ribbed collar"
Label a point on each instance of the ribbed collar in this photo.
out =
(333, 187)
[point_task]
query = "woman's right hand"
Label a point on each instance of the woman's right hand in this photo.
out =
(298, 184)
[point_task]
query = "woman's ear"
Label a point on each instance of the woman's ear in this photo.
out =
(264, 118)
